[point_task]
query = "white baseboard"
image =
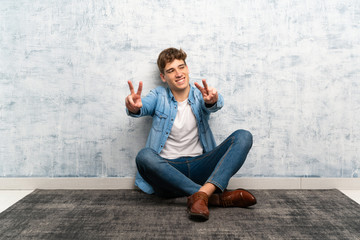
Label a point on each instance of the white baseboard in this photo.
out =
(66, 183)
(296, 183)
(128, 183)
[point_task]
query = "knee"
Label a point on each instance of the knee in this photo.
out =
(244, 136)
(144, 157)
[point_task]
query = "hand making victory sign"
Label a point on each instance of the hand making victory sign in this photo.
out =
(133, 101)
(209, 94)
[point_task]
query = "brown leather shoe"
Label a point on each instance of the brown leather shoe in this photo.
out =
(198, 206)
(236, 198)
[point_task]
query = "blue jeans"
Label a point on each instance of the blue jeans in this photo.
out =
(185, 175)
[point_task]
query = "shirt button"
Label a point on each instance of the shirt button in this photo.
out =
(167, 132)
(172, 119)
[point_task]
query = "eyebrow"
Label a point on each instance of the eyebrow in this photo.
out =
(181, 65)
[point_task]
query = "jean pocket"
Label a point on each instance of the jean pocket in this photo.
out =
(159, 120)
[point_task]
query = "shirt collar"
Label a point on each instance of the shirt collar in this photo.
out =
(190, 97)
(191, 94)
(170, 94)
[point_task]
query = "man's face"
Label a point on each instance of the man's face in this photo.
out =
(176, 75)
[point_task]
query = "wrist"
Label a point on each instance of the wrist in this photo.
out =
(209, 105)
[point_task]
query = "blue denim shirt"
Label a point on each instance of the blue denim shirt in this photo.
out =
(162, 106)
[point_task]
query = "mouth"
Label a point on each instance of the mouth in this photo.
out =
(180, 80)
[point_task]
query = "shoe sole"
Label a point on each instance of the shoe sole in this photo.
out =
(198, 216)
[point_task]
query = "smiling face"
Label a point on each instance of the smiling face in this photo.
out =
(176, 75)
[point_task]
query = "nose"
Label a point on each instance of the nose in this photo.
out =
(178, 73)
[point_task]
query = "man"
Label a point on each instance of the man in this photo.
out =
(181, 157)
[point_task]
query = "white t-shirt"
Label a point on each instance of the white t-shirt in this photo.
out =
(183, 140)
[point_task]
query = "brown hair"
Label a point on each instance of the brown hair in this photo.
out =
(169, 55)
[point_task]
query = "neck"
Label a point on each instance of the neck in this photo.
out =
(181, 95)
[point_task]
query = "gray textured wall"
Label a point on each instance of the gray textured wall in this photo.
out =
(288, 70)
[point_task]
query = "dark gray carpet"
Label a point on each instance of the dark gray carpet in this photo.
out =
(130, 214)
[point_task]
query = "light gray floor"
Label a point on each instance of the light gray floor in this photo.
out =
(353, 194)
(9, 197)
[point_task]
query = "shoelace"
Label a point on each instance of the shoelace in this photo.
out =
(226, 202)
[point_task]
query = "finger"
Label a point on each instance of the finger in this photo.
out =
(140, 88)
(198, 86)
(214, 94)
(205, 86)
(127, 104)
(139, 105)
(214, 91)
(131, 87)
(131, 101)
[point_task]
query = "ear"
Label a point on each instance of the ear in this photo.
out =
(162, 77)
